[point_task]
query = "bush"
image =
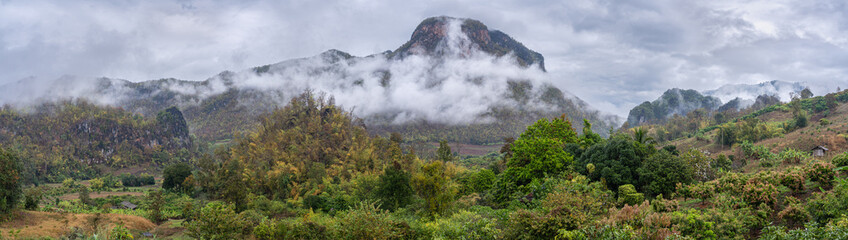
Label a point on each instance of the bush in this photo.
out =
(465, 225)
(794, 179)
(97, 184)
(366, 221)
(627, 195)
(136, 181)
(694, 224)
(174, 177)
(69, 183)
(120, 232)
(306, 228)
(794, 214)
(217, 220)
(822, 173)
(840, 160)
(617, 161)
(811, 230)
(826, 206)
(527, 224)
(757, 191)
(662, 172)
(394, 189)
(84, 196)
(792, 156)
(32, 197)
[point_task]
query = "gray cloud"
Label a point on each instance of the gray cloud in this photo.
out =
(613, 54)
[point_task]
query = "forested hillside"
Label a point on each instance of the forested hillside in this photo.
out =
(77, 139)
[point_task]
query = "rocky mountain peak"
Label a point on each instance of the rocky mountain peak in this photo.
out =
(436, 36)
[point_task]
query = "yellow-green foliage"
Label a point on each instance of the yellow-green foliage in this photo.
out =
(297, 146)
(434, 185)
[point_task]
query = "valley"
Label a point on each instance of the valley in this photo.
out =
(458, 133)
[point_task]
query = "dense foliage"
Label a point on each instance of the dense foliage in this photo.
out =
(10, 181)
(312, 171)
(76, 139)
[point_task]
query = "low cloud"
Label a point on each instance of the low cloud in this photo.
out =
(613, 54)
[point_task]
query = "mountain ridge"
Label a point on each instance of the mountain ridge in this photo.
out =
(453, 72)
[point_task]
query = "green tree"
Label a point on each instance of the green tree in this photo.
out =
(156, 204)
(217, 220)
(806, 93)
(444, 152)
(830, 101)
(640, 135)
(97, 184)
(538, 152)
(616, 161)
(589, 137)
(10, 185)
(394, 189)
(434, 187)
(84, 196)
(174, 177)
(230, 184)
(661, 172)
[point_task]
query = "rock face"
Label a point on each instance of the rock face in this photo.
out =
(430, 36)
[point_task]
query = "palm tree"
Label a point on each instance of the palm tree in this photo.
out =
(640, 135)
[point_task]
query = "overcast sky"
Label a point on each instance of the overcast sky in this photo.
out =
(612, 54)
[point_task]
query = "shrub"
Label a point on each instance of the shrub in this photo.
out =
(32, 197)
(703, 191)
(794, 214)
(794, 179)
(811, 230)
(174, 177)
(69, 183)
(731, 182)
(465, 225)
(394, 189)
(97, 184)
(527, 224)
(758, 191)
(136, 181)
(822, 173)
(661, 172)
(792, 156)
(216, 220)
(627, 195)
(840, 160)
(646, 224)
(305, 228)
(694, 224)
(379, 224)
(829, 205)
(722, 162)
(84, 196)
(120, 232)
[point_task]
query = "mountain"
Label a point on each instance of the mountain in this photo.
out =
(673, 101)
(748, 93)
(79, 139)
(727, 97)
(454, 79)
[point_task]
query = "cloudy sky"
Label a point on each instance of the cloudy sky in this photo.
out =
(613, 54)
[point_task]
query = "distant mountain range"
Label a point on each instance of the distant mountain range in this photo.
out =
(727, 97)
(454, 79)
